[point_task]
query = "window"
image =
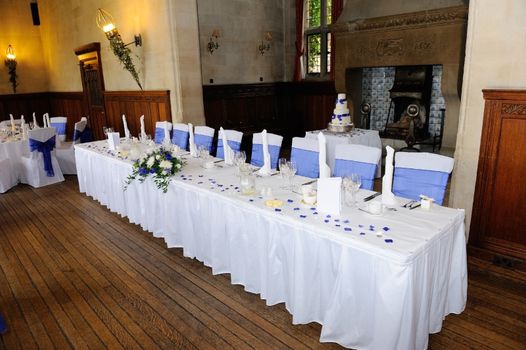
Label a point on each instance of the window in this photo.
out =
(318, 37)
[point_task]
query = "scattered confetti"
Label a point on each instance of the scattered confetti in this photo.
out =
(388, 240)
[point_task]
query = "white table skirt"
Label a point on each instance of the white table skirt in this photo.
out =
(366, 293)
(364, 137)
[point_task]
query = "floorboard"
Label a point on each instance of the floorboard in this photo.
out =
(75, 275)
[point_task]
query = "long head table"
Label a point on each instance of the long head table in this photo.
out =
(372, 282)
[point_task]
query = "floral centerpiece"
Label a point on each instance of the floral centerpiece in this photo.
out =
(161, 164)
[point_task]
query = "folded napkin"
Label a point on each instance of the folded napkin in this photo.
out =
(227, 151)
(325, 170)
(35, 124)
(23, 126)
(126, 130)
(191, 142)
(12, 122)
(47, 122)
(166, 139)
(265, 169)
(143, 130)
(388, 197)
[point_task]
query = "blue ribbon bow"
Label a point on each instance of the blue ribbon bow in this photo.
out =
(84, 135)
(45, 148)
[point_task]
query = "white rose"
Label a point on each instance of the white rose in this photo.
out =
(150, 162)
(166, 164)
(158, 157)
(178, 166)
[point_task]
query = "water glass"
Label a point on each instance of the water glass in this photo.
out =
(351, 184)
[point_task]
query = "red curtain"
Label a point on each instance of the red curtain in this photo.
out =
(299, 40)
(337, 7)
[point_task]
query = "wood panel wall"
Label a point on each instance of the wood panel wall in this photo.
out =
(285, 108)
(154, 105)
(499, 207)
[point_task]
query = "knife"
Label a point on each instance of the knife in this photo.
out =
(414, 206)
(374, 195)
(309, 182)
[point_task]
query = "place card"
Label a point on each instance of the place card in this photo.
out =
(113, 140)
(329, 195)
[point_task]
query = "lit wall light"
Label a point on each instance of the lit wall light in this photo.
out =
(213, 43)
(10, 63)
(120, 50)
(265, 43)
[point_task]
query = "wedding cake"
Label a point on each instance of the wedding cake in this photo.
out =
(341, 118)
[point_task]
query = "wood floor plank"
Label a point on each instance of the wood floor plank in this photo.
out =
(73, 274)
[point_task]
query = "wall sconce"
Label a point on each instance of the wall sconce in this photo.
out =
(213, 43)
(265, 43)
(120, 50)
(10, 63)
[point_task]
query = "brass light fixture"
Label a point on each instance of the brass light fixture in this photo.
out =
(265, 43)
(10, 63)
(213, 43)
(120, 50)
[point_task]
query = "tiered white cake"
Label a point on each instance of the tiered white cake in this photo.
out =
(341, 115)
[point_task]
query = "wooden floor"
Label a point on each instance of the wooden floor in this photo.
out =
(74, 275)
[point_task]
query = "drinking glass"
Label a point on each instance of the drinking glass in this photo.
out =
(282, 164)
(292, 171)
(351, 185)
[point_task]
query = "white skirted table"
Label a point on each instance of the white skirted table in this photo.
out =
(364, 137)
(372, 282)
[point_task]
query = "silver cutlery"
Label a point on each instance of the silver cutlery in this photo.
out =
(309, 182)
(414, 206)
(374, 195)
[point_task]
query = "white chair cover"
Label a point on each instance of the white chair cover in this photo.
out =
(59, 123)
(305, 153)
(274, 147)
(65, 152)
(7, 123)
(204, 136)
(234, 141)
(7, 175)
(421, 173)
(33, 168)
(357, 159)
(180, 135)
(159, 131)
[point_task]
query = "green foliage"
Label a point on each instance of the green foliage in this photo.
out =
(123, 54)
(314, 53)
(314, 13)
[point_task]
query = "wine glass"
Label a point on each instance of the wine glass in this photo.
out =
(282, 163)
(351, 185)
(292, 171)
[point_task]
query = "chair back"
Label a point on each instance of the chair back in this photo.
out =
(180, 135)
(159, 131)
(421, 173)
(305, 153)
(357, 159)
(42, 140)
(59, 123)
(234, 141)
(204, 136)
(79, 131)
(274, 147)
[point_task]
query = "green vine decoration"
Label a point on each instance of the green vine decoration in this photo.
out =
(11, 67)
(123, 54)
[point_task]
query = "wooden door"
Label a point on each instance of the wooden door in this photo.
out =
(499, 209)
(93, 86)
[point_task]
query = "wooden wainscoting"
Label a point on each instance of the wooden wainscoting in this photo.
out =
(67, 104)
(24, 104)
(499, 207)
(285, 108)
(154, 105)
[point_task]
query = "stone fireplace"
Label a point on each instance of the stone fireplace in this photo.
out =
(369, 35)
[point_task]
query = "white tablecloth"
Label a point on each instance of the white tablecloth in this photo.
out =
(357, 136)
(367, 290)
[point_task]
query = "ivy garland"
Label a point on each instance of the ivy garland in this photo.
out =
(123, 54)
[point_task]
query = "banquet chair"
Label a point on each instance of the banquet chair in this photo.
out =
(59, 123)
(8, 179)
(421, 173)
(304, 154)
(41, 167)
(180, 135)
(65, 152)
(204, 136)
(357, 159)
(274, 147)
(159, 131)
(234, 141)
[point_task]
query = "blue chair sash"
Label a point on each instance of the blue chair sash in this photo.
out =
(411, 183)
(45, 148)
(306, 162)
(367, 171)
(60, 127)
(159, 135)
(203, 140)
(236, 146)
(84, 135)
(3, 325)
(257, 155)
(180, 138)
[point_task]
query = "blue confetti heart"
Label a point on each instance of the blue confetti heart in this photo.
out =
(277, 209)
(326, 220)
(219, 185)
(312, 208)
(290, 200)
(385, 228)
(360, 226)
(250, 200)
(303, 216)
(337, 225)
(336, 220)
(388, 240)
(296, 208)
(346, 222)
(362, 233)
(348, 229)
(200, 182)
(201, 175)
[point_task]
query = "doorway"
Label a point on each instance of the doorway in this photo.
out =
(92, 86)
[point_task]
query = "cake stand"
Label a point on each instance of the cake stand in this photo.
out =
(340, 128)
